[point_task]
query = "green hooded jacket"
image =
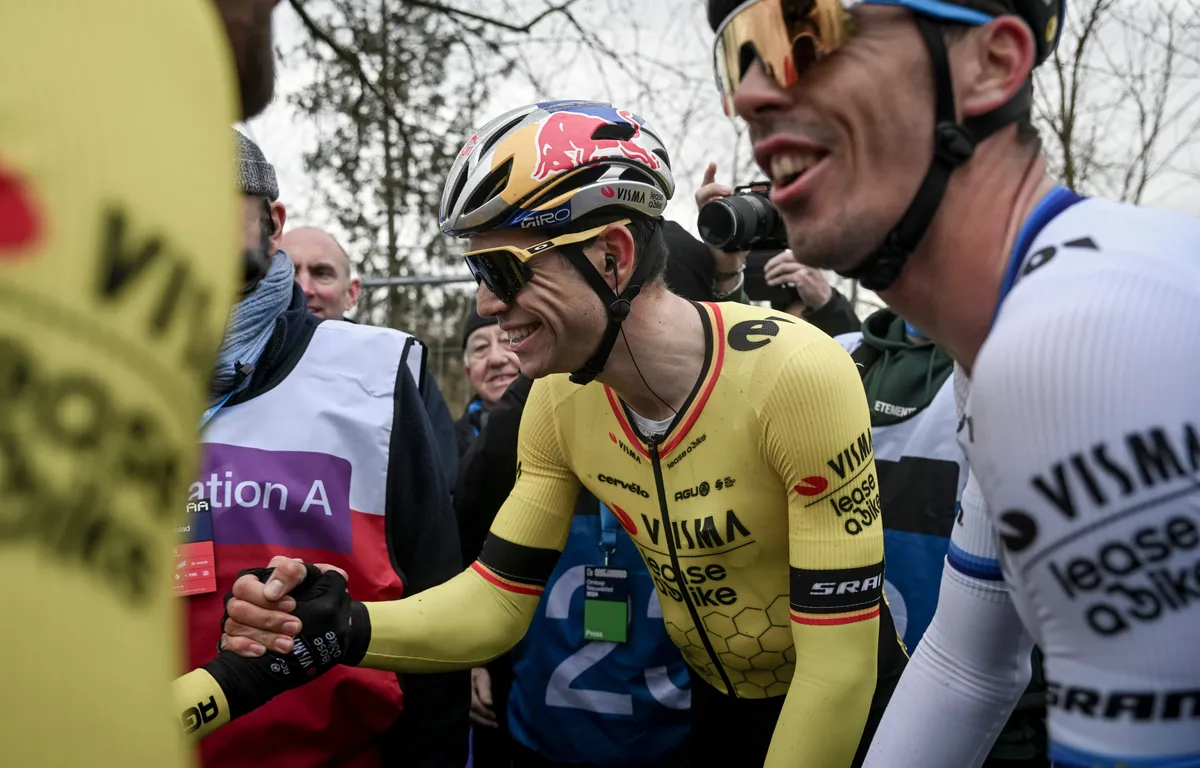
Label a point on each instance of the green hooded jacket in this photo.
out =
(903, 376)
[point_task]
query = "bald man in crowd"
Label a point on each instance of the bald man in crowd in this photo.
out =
(324, 273)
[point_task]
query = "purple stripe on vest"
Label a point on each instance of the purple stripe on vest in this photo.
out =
(283, 498)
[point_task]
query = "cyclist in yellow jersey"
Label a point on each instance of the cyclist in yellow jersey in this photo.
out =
(119, 258)
(732, 443)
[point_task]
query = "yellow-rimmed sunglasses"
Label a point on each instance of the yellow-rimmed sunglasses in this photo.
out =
(503, 268)
(788, 37)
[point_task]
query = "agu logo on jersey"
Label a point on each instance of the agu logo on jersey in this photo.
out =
(20, 222)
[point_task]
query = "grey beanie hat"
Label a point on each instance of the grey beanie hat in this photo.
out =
(255, 175)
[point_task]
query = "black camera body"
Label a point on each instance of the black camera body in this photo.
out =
(744, 221)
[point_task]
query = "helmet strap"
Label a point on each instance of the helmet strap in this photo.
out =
(617, 306)
(954, 144)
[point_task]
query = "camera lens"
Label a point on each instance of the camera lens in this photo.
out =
(741, 222)
(717, 223)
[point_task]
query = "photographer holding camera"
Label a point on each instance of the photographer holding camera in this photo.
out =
(748, 243)
(729, 279)
(811, 297)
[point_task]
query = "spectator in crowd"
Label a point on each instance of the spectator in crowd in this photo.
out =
(490, 368)
(326, 277)
(922, 476)
(816, 300)
(728, 278)
(323, 271)
(318, 447)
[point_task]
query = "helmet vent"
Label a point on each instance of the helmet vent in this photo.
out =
(500, 133)
(459, 183)
(580, 178)
(636, 174)
(615, 132)
(491, 186)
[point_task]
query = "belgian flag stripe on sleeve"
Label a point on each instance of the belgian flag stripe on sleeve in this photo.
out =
(515, 567)
(836, 597)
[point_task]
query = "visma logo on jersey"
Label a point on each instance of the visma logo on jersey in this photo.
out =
(1130, 577)
(857, 499)
(326, 647)
(625, 449)
(1140, 463)
(700, 532)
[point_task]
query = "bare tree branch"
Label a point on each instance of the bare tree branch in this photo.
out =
(353, 61)
(450, 11)
(1124, 69)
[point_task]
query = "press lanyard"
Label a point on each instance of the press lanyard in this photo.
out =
(244, 372)
(212, 409)
(608, 532)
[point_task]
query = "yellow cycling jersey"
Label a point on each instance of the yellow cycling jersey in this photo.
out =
(757, 514)
(119, 258)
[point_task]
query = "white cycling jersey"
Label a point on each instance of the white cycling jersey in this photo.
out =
(1081, 423)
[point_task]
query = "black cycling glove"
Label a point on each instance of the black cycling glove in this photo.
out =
(334, 630)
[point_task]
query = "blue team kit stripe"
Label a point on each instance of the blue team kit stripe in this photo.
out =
(1062, 756)
(973, 565)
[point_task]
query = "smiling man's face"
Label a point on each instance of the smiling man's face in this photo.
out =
(491, 364)
(847, 146)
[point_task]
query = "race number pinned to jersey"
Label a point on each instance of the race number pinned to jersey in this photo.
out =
(605, 603)
(193, 564)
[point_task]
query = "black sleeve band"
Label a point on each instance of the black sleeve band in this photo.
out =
(518, 563)
(850, 589)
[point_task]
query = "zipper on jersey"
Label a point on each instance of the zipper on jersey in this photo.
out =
(680, 581)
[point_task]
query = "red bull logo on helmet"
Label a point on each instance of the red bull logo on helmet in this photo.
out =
(566, 141)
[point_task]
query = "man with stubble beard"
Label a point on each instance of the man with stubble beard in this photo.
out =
(119, 260)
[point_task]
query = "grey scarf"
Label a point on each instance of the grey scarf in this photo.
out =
(251, 323)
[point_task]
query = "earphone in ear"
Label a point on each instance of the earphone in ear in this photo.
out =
(610, 263)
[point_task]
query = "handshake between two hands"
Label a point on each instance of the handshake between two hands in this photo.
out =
(283, 626)
(269, 608)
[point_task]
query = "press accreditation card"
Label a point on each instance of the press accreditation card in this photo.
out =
(193, 565)
(605, 603)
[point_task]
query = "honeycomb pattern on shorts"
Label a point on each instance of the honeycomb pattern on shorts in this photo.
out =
(754, 646)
